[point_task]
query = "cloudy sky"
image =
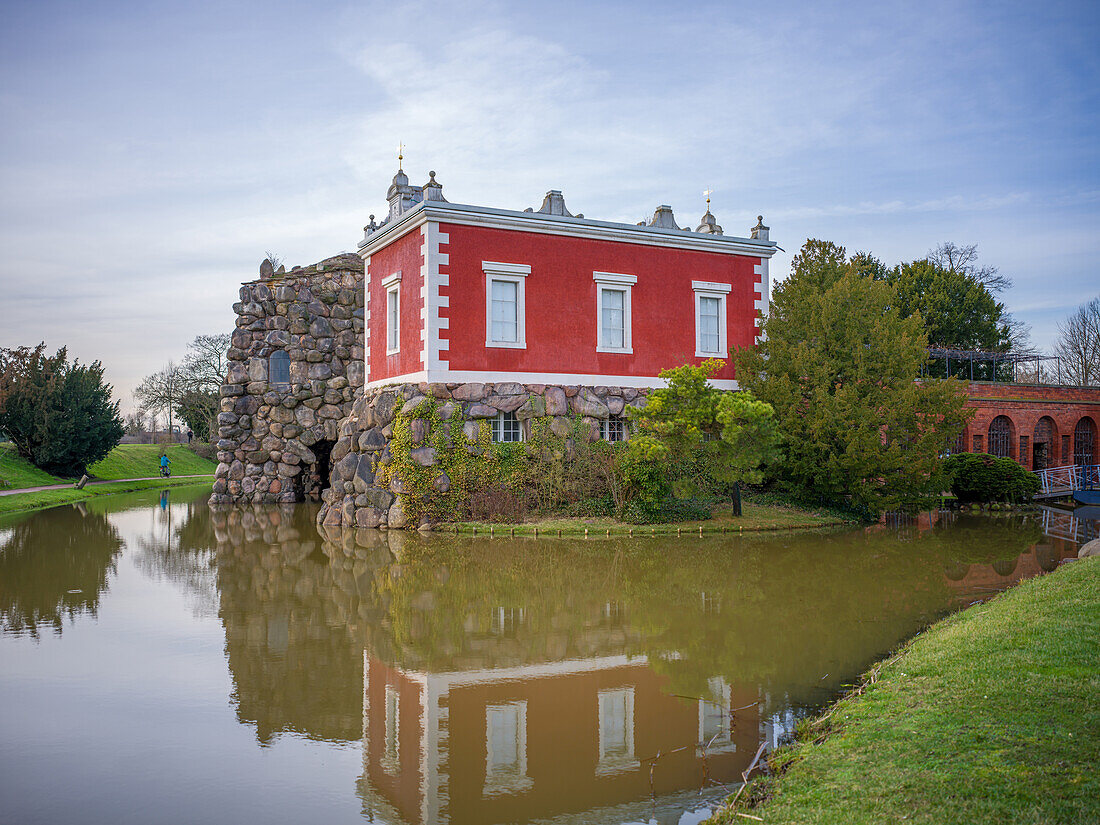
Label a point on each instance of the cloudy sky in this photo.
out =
(152, 152)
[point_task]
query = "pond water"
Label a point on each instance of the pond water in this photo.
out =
(160, 662)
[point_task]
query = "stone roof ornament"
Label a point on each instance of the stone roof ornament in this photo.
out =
(707, 224)
(433, 189)
(267, 269)
(664, 219)
(553, 203)
(759, 232)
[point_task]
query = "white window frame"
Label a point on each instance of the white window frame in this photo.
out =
(605, 428)
(614, 282)
(391, 759)
(392, 286)
(706, 289)
(511, 273)
(497, 428)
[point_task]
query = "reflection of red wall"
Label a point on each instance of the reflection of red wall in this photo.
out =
(984, 577)
(405, 256)
(563, 744)
(402, 789)
(561, 302)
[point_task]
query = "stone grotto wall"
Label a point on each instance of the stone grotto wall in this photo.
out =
(354, 500)
(274, 438)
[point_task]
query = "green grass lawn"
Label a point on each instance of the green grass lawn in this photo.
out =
(50, 498)
(754, 516)
(991, 716)
(18, 472)
(142, 460)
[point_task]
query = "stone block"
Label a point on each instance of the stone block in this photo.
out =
(615, 404)
(534, 407)
(469, 392)
(447, 410)
(585, 403)
(364, 474)
(481, 411)
(509, 388)
(442, 482)
(506, 403)
(556, 402)
(396, 517)
(414, 402)
(372, 440)
(237, 373)
(424, 456)
(561, 426)
(341, 449)
(471, 430)
(345, 468)
(319, 371)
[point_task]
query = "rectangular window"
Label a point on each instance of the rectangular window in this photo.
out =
(507, 428)
(392, 285)
(977, 444)
(612, 315)
(506, 749)
(1065, 457)
(614, 428)
(505, 316)
(710, 319)
(505, 304)
(613, 311)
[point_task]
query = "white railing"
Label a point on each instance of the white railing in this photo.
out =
(1062, 524)
(1061, 481)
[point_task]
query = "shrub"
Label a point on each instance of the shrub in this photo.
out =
(980, 477)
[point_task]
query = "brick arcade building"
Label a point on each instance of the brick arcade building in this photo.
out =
(1038, 426)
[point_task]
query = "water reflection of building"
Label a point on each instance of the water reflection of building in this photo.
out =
(542, 740)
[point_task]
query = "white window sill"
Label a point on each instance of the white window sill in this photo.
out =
(393, 351)
(507, 344)
(617, 350)
(699, 354)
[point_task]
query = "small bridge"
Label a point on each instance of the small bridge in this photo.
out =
(1063, 524)
(1055, 482)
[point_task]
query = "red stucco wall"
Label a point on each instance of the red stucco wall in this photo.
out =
(403, 255)
(561, 316)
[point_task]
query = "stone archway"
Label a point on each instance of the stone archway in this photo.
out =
(1001, 435)
(1043, 442)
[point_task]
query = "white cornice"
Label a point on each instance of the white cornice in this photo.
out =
(460, 213)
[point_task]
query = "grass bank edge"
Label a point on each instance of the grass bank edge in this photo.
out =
(756, 517)
(1016, 704)
(25, 502)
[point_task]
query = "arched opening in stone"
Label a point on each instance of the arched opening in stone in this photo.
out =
(1001, 437)
(1005, 567)
(315, 477)
(1042, 443)
(1084, 442)
(955, 570)
(278, 368)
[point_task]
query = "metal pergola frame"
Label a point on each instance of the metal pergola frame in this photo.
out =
(966, 357)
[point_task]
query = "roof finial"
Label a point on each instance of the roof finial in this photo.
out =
(400, 155)
(706, 194)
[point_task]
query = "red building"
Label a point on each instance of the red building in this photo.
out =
(459, 293)
(1039, 426)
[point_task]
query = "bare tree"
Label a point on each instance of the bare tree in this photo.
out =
(964, 259)
(206, 363)
(276, 260)
(161, 391)
(1079, 344)
(135, 423)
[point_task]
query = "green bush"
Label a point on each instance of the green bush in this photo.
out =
(980, 477)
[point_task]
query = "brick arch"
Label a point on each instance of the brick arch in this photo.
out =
(1044, 443)
(1001, 437)
(1084, 441)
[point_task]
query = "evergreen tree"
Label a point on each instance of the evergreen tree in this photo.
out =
(58, 415)
(837, 363)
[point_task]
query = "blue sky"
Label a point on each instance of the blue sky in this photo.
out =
(152, 152)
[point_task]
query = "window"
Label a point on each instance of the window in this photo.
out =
(278, 368)
(616, 733)
(392, 285)
(506, 749)
(506, 427)
(710, 318)
(613, 311)
(715, 735)
(614, 428)
(505, 304)
(1000, 437)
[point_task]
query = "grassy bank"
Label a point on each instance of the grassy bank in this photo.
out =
(124, 461)
(49, 498)
(754, 517)
(988, 717)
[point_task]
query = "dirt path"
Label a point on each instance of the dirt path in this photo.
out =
(72, 486)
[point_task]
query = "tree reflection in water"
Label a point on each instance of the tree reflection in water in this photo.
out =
(54, 564)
